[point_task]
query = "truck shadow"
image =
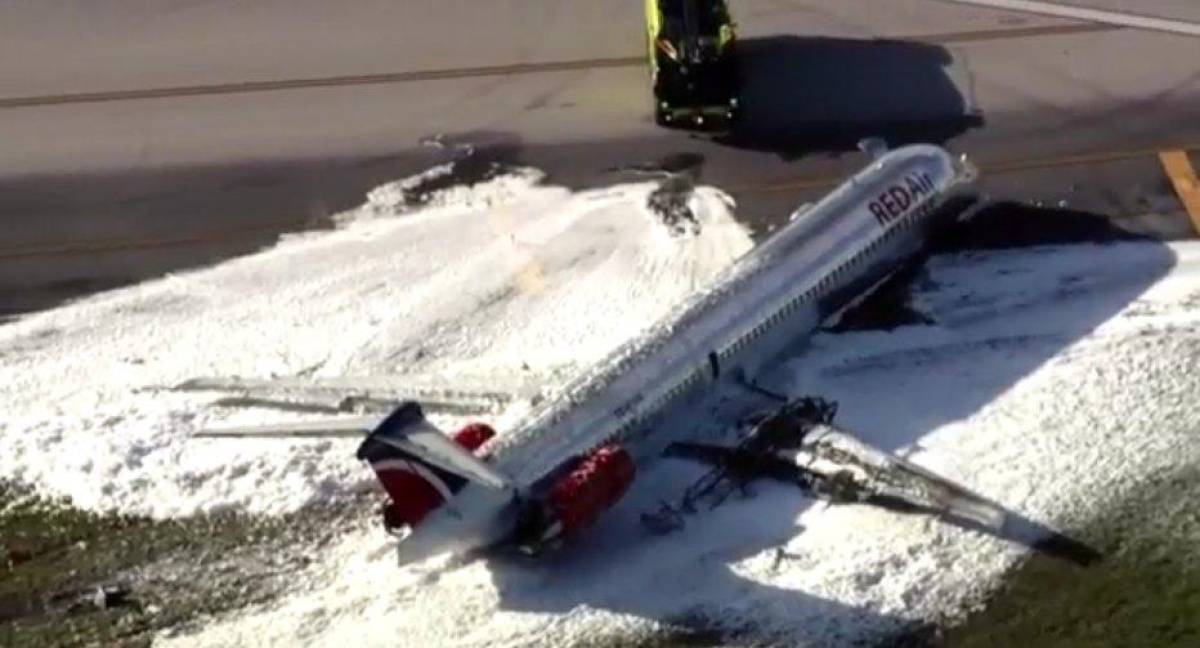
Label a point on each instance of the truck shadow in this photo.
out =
(743, 568)
(804, 95)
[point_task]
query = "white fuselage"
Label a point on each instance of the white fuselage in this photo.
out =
(774, 296)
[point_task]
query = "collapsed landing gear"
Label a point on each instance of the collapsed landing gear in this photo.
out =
(840, 487)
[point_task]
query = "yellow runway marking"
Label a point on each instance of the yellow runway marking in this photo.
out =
(529, 276)
(1179, 169)
(531, 279)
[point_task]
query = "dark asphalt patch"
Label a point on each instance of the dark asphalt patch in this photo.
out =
(1005, 225)
(890, 307)
(470, 165)
(1002, 225)
(678, 174)
(670, 201)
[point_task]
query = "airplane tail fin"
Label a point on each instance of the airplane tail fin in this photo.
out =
(422, 469)
(423, 472)
(876, 147)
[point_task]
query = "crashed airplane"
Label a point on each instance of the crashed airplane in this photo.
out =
(577, 453)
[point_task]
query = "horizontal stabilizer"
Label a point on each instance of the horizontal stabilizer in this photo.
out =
(351, 394)
(339, 427)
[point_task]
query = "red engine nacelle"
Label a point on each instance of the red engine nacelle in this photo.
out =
(415, 488)
(576, 500)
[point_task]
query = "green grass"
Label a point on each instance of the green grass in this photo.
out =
(53, 557)
(1146, 592)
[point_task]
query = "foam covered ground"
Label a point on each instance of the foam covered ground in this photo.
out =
(1054, 380)
(500, 282)
(1051, 379)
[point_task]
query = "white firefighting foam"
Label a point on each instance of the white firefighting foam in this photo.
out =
(1052, 380)
(508, 281)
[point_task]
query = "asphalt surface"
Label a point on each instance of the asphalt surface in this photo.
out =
(144, 138)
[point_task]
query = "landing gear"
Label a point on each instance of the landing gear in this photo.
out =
(662, 114)
(734, 115)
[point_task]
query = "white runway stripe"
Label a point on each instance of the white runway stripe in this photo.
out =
(1125, 19)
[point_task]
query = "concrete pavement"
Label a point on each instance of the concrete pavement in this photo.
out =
(1004, 87)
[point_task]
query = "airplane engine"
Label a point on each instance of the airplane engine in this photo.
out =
(415, 488)
(592, 485)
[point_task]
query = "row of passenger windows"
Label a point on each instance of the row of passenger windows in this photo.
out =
(822, 287)
(674, 393)
(827, 282)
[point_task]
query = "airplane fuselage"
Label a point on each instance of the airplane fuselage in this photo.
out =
(771, 298)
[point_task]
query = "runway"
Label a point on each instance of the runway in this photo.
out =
(144, 140)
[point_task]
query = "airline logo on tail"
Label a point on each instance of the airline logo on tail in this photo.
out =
(415, 486)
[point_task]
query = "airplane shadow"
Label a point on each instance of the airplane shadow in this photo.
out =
(710, 574)
(804, 95)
